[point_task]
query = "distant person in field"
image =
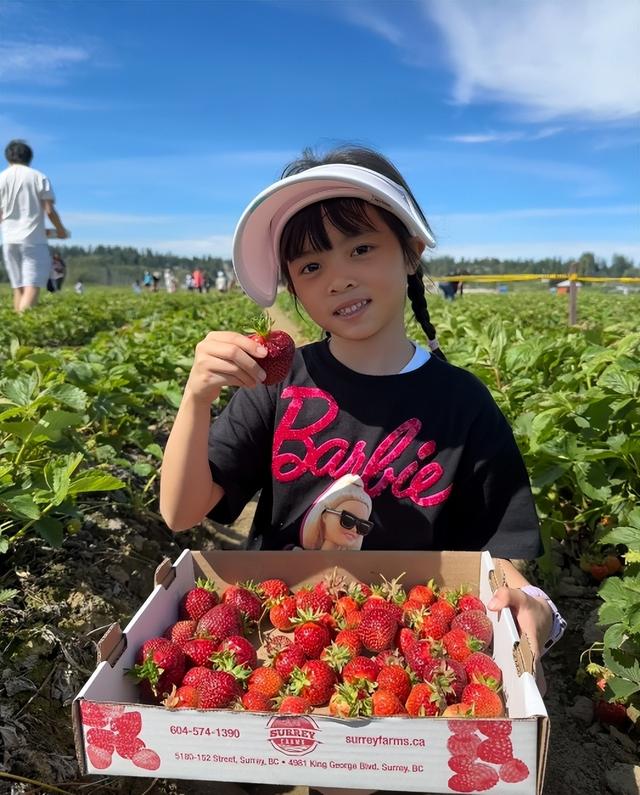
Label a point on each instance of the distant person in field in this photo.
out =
(198, 279)
(79, 287)
(147, 280)
(170, 281)
(26, 196)
(221, 282)
(58, 272)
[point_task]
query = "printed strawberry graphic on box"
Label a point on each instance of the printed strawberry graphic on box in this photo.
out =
(482, 755)
(110, 729)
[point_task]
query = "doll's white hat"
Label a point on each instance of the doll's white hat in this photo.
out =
(348, 487)
(256, 241)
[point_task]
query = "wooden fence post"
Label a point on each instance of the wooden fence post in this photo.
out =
(573, 294)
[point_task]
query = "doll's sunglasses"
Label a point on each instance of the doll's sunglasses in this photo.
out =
(349, 521)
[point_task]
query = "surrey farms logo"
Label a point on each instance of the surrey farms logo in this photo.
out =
(293, 735)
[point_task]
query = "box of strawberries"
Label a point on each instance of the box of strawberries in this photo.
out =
(369, 670)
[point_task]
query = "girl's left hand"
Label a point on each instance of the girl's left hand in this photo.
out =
(533, 618)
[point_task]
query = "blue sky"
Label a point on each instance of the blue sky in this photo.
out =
(516, 124)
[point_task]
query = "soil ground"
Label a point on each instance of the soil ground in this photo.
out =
(68, 597)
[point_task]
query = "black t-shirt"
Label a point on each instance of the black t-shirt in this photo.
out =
(436, 455)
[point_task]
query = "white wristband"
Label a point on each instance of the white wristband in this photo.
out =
(559, 624)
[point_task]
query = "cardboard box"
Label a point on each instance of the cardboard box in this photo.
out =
(399, 753)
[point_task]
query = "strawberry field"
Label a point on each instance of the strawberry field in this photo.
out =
(88, 390)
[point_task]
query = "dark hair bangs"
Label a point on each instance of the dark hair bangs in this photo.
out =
(307, 227)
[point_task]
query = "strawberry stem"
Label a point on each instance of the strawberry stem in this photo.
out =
(262, 325)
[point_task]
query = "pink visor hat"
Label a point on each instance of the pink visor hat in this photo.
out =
(256, 241)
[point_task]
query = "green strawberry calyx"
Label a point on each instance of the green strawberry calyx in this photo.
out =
(262, 325)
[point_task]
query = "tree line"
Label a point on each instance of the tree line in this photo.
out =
(587, 265)
(122, 265)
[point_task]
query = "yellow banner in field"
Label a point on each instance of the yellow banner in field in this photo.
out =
(534, 277)
(620, 279)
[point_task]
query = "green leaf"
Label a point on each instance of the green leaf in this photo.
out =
(6, 594)
(22, 505)
(633, 518)
(94, 480)
(622, 688)
(22, 430)
(58, 473)
(143, 469)
(70, 395)
(45, 361)
(633, 619)
(155, 450)
(54, 422)
(610, 613)
(617, 442)
(629, 536)
(20, 390)
(622, 591)
(545, 423)
(622, 664)
(620, 381)
(51, 530)
(593, 481)
(549, 474)
(170, 391)
(614, 636)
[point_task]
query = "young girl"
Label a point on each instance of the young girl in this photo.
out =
(435, 454)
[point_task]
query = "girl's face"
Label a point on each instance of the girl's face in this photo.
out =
(355, 290)
(335, 535)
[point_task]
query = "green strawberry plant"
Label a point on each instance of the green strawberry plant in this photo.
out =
(77, 421)
(620, 614)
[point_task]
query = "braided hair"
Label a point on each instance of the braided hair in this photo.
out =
(417, 296)
(349, 215)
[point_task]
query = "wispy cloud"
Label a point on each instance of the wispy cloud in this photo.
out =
(618, 140)
(541, 212)
(369, 19)
(551, 59)
(210, 246)
(581, 180)
(505, 136)
(547, 59)
(90, 219)
(53, 102)
(37, 62)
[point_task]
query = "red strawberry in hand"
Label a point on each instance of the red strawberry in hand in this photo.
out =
(280, 349)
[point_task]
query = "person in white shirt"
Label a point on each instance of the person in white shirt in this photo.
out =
(26, 196)
(221, 282)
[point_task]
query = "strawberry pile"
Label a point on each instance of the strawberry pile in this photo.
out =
(351, 648)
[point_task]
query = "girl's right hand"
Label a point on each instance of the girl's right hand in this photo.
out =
(224, 358)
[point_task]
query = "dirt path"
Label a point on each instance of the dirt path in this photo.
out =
(284, 322)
